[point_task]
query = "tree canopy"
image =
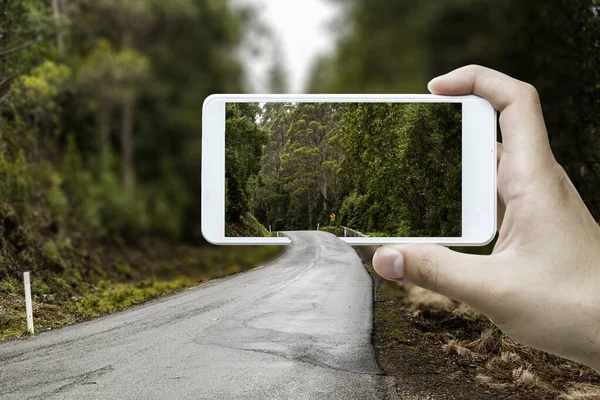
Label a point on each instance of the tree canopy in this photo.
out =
(388, 169)
(100, 121)
(396, 46)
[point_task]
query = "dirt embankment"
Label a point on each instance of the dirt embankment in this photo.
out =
(437, 348)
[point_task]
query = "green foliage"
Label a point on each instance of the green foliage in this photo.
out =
(354, 211)
(113, 75)
(41, 87)
(76, 92)
(330, 229)
(385, 168)
(14, 181)
(62, 198)
(40, 288)
(116, 297)
(246, 226)
(408, 160)
(51, 251)
(244, 141)
(124, 269)
(59, 112)
(10, 285)
(396, 46)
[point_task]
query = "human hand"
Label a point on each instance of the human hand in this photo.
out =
(541, 285)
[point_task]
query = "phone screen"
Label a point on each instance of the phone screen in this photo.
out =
(352, 169)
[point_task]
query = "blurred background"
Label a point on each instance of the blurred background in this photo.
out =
(103, 98)
(100, 118)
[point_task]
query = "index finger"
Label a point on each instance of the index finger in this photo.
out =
(521, 118)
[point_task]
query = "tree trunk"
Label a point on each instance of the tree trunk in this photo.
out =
(324, 192)
(127, 39)
(104, 124)
(4, 42)
(127, 149)
(309, 211)
(3, 59)
(60, 40)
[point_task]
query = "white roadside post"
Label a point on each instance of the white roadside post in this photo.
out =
(28, 308)
(317, 226)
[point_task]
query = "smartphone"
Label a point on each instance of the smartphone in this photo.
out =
(371, 169)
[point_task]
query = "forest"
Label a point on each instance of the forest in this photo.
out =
(397, 46)
(100, 125)
(100, 143)
(384, 169)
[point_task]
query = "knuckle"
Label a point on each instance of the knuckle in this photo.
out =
(428, 272)
(561, 181)
(474, 67)
(498, 297)
(530, 93)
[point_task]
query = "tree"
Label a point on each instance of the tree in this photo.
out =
(23, 26)
(309, 162)
(244, 141)
(277, 74)
(397, 46)
(112, 78)
(58, 8)
(385, 168)
(271, 201)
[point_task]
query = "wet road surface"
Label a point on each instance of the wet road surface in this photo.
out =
(299, 328)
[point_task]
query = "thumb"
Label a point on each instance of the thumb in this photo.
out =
(462, 277)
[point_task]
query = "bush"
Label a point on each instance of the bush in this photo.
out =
(354, 212)
(10, 285)
(247, 226)
(124, 269)
(331, 229)
(39, 287)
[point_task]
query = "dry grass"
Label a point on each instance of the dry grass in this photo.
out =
(526, 378)
(489, 381)
(581, 391)
(501, 363)
(511, 364)
(486, 343)
(456, 347)
(466, 312)
(418, 299)
(506, 360)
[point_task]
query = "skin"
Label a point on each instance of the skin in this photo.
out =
(541, 285)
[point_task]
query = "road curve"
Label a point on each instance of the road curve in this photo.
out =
(299, 328)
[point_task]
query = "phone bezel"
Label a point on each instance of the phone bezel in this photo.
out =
(479, 193)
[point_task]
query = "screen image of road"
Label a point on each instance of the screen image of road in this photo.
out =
(351, 169)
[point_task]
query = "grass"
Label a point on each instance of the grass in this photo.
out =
(248, 226)
(141, 274)
(503, 361)
(582, 391)
(117, 296)
(335, 230)
(389, 317)
(454, 346)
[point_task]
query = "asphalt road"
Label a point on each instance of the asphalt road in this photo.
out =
(299, 328)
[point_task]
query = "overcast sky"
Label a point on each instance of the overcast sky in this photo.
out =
(302, 29)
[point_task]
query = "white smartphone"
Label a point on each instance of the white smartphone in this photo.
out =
(371, 169)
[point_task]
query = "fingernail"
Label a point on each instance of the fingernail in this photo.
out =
(430, 82)
(389, 263)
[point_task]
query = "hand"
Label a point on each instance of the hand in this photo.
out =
(541, 285)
